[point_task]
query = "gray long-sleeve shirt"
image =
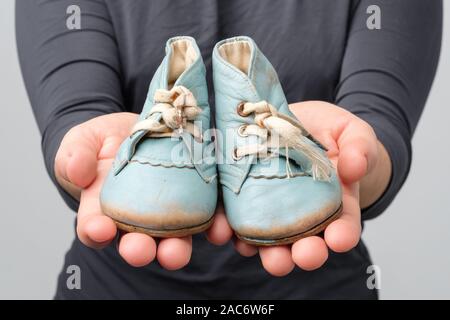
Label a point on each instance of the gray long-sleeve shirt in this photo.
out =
(322, 50)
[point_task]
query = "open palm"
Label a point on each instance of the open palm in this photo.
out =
(81, 165)
(88, 150)
(354, 150)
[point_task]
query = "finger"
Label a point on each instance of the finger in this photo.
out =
(307, 113)
(174, 253)
(94, 229)
(137, 249)
(277, 260)
(310, 253)
(357, 144)
(76, 159)
(344, 234)
(245, 249)
(220, 231)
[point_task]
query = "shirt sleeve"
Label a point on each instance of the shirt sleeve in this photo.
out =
(387, 74)
(70, 75)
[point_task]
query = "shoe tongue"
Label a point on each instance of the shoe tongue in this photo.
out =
(268, 87)
(254, 68)
(265, 79)
(171, 151)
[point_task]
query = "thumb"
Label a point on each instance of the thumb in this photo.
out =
(357, 151)
(76, 159)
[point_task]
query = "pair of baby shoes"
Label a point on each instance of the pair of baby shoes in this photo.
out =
(277, 183)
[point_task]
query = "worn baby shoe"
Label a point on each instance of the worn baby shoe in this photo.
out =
(163, 180)
(278, 184)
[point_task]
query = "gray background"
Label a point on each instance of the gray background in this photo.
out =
(409, 242)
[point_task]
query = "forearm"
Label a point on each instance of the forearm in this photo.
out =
(71, 76)
(385, 80)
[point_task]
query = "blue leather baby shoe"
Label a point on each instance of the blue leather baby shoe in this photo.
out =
(278, 184)
(163, 180)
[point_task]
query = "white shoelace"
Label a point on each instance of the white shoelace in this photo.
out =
(178, 108)
(276, 131)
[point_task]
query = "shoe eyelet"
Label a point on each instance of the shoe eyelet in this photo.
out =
(241, 130)
(234, 155)
(240, 109)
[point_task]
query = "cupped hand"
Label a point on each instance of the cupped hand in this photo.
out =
(82, 162)
(361, 162)
(88, 150)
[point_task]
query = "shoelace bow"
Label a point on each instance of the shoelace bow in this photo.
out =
(280, 131)
(178, 108)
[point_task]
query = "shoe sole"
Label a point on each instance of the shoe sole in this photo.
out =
(172, 233)
(288, 240)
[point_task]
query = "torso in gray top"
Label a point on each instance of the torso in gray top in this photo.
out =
(322, 50)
